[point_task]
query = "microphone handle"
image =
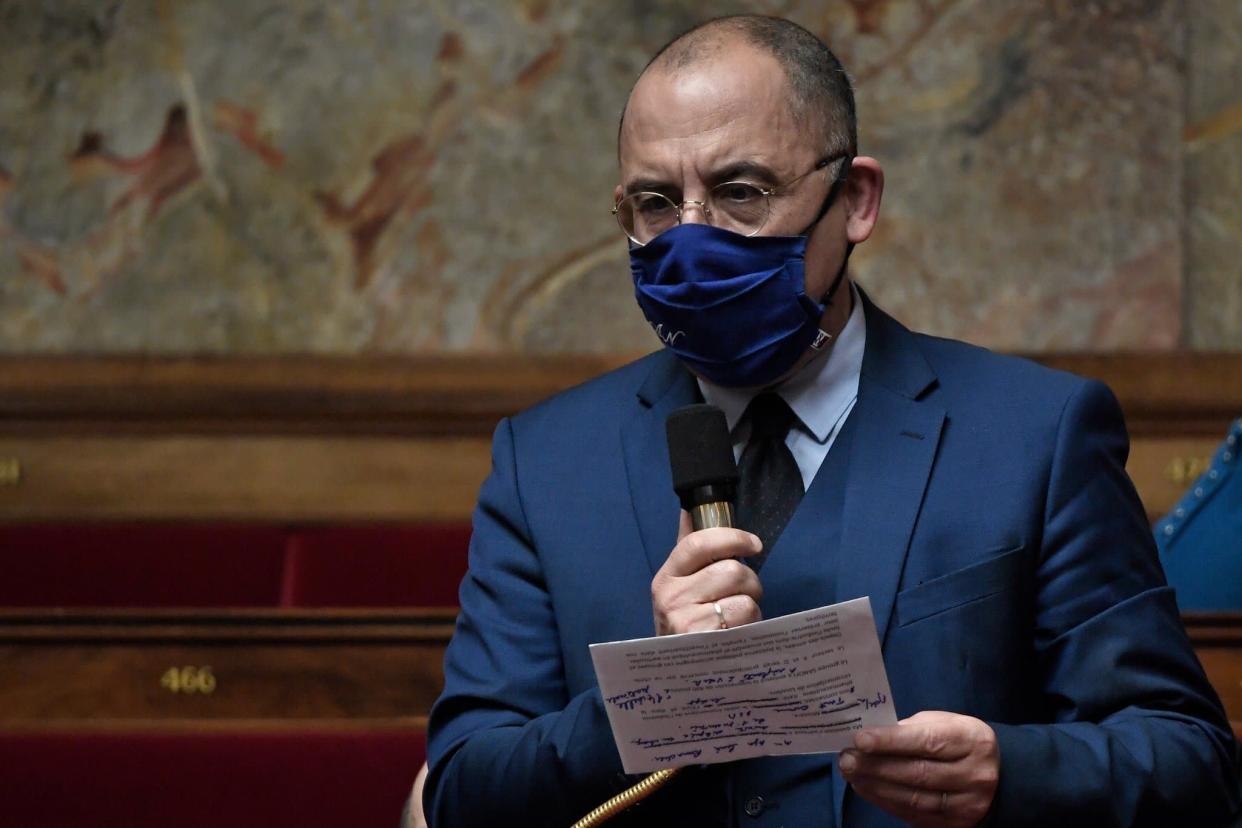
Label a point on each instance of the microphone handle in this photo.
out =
(712, 515)
(710, 505)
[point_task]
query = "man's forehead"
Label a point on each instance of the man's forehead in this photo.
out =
(733, 107)
(738, 79)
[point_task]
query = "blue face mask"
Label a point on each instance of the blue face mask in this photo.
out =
(733, 308)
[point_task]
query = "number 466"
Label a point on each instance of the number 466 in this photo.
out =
(188, 680)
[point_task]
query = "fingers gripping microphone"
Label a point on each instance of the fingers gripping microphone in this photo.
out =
(700, 454)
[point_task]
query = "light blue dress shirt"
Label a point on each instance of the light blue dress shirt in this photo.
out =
(821, 395)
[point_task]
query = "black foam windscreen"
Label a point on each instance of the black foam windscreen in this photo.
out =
(700, 450)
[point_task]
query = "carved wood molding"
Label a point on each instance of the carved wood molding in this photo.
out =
(1214, 628)
(193, 726)
(1166, 393)
(1173, 393)
(415, 625)
(231, 666)
(449, 396)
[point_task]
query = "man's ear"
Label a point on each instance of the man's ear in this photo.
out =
(863, 191)
(616, 195)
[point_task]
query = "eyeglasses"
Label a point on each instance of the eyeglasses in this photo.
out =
(738, 206)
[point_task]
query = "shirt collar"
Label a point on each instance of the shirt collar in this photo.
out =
(820, 391)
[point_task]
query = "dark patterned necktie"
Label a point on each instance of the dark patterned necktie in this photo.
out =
(770, 485)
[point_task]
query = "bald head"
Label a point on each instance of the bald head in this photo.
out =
(818, 93)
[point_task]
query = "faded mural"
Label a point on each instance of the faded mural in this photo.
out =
(411, 176)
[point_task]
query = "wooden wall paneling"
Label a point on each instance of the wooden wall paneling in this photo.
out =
(1164, 467)
(1217, 638)
(326, 439)
(227, 665)
(191, 726)
(1176, 392)
(243, 477)
(303, 668)
(463, 395)
(1186, 393)
(326, 478)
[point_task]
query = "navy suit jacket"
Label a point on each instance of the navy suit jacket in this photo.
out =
(988, 516)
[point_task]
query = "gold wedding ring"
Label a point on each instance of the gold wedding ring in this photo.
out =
(720, 615)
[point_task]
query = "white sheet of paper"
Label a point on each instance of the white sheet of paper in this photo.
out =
(802, 683)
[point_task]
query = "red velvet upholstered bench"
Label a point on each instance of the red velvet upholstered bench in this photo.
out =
(375, 566)
(190, 565)
(211, 779)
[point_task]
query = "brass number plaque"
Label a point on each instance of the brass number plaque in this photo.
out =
(189, 680)
(10, 471)
(1182, 471)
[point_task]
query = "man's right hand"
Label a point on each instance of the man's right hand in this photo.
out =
(702, 570)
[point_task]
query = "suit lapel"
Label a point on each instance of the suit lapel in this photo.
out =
(890, 462)
(891, 458)
(668, 386)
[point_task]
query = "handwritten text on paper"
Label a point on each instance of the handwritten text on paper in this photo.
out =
(803, 683)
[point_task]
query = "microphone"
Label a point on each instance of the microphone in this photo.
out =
(700, 454)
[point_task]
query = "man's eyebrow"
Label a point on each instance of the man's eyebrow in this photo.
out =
(734, 171)
(649, 185)
(745, 170)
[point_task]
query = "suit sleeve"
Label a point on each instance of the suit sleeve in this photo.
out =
(506, 742)
(1137, 734)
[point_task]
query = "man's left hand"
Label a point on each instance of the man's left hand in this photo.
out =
(934, 769)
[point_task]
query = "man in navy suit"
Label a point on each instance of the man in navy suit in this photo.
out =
(981, 501)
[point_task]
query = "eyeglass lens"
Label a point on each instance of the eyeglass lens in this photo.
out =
(734, 205)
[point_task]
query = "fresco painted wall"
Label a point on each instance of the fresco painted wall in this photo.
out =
(409, 176)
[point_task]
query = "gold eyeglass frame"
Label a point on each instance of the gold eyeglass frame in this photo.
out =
(767, 193)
